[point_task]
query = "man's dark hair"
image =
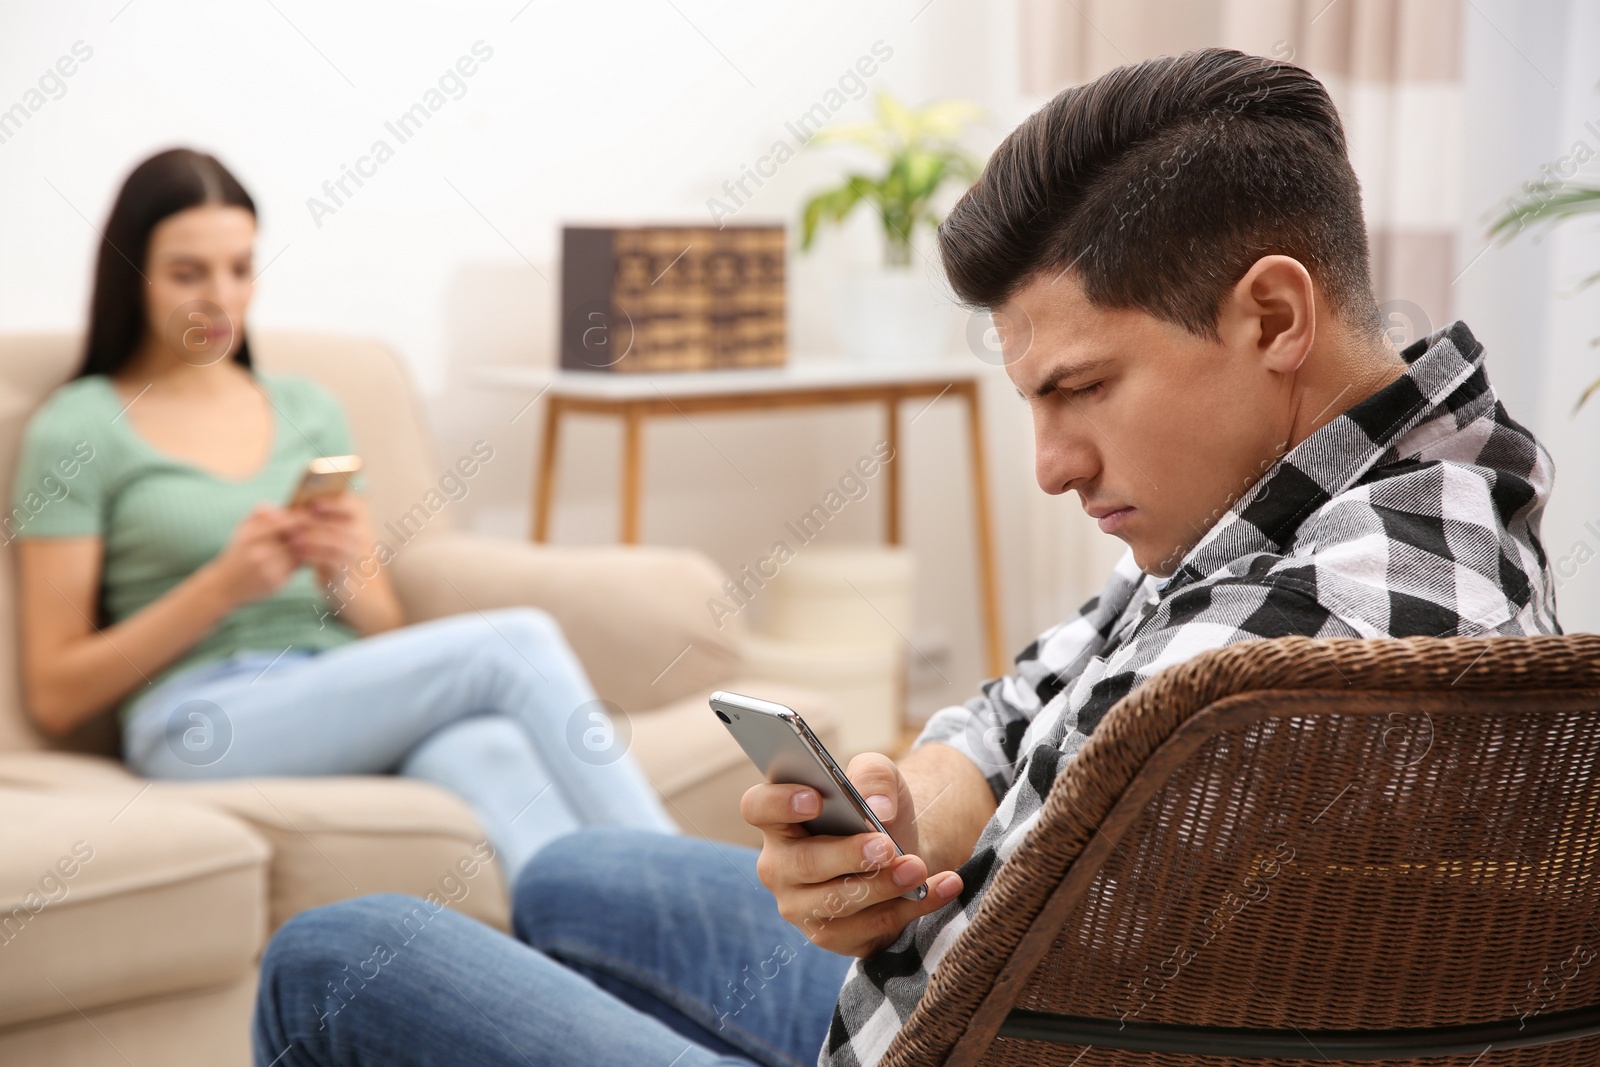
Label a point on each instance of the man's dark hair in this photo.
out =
(1159, 183)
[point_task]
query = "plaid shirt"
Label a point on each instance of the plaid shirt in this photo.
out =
(1416, 512)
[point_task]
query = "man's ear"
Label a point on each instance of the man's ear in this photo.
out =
(1272, 313)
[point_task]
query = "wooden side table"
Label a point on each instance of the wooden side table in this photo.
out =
(634, 398)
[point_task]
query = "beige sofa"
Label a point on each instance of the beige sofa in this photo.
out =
(133, 914)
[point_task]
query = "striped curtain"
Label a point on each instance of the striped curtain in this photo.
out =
(1391, 66)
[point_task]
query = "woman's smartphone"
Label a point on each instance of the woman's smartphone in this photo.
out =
(780, 743)
(324, 476)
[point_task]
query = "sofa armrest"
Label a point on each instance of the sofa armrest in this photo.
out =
(338, 837)
(636, 616)
(105, 898)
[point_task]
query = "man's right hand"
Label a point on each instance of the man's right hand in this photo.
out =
(844, 892)
(257, 559)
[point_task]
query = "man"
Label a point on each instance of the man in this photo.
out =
(1177, 259)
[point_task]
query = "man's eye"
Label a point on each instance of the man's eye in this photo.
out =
(1083, 392)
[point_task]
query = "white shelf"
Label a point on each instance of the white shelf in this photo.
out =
(795, 375)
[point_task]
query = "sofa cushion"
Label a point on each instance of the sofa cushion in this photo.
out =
(332, 838)
(336, 838)
(66, 770)
(631, 613)
(108, 896)
(196, 1028)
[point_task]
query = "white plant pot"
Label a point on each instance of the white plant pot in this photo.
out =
(892, 315)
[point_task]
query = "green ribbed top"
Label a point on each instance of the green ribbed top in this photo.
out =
(84, 471)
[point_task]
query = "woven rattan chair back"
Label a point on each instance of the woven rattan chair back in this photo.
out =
(1303, 852)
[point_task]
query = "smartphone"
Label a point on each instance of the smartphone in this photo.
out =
(324, 476)
(783, 747)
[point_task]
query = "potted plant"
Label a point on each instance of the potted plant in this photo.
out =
(894, 312)
(1551, 200)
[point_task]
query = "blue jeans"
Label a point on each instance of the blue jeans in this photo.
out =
(493, 705)
(631, 948)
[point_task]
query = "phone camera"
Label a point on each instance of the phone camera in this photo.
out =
(721, 716)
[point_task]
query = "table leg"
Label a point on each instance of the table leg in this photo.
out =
(545, 476)
(891, 410)
(632, 418)
(987, 577)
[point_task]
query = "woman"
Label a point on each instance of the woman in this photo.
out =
(220, 635)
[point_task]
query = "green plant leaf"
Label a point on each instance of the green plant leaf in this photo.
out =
(944, 119)
(893, 186)
(868, 135)
(1531, 206)
(1585, 395)
(816, 209)
(918, 148)
(892, 114)
(963, 167)
(1561, 204)
(833, 205)
(923, 171)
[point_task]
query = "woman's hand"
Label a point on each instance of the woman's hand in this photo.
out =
(257, 559)
(336, 539)
(335, 532)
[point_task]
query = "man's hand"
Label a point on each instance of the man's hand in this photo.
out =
(844, 892)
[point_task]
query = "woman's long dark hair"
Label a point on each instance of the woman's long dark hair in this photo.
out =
(161, 186)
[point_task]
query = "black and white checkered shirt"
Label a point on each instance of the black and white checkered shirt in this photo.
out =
(1416, 512)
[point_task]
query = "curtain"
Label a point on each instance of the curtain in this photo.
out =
(1393, 68)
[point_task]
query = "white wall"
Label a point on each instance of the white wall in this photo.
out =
(1531, 73)
(640, 111)
(622, 111)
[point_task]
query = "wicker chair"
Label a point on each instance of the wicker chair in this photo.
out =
(1303, 852)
